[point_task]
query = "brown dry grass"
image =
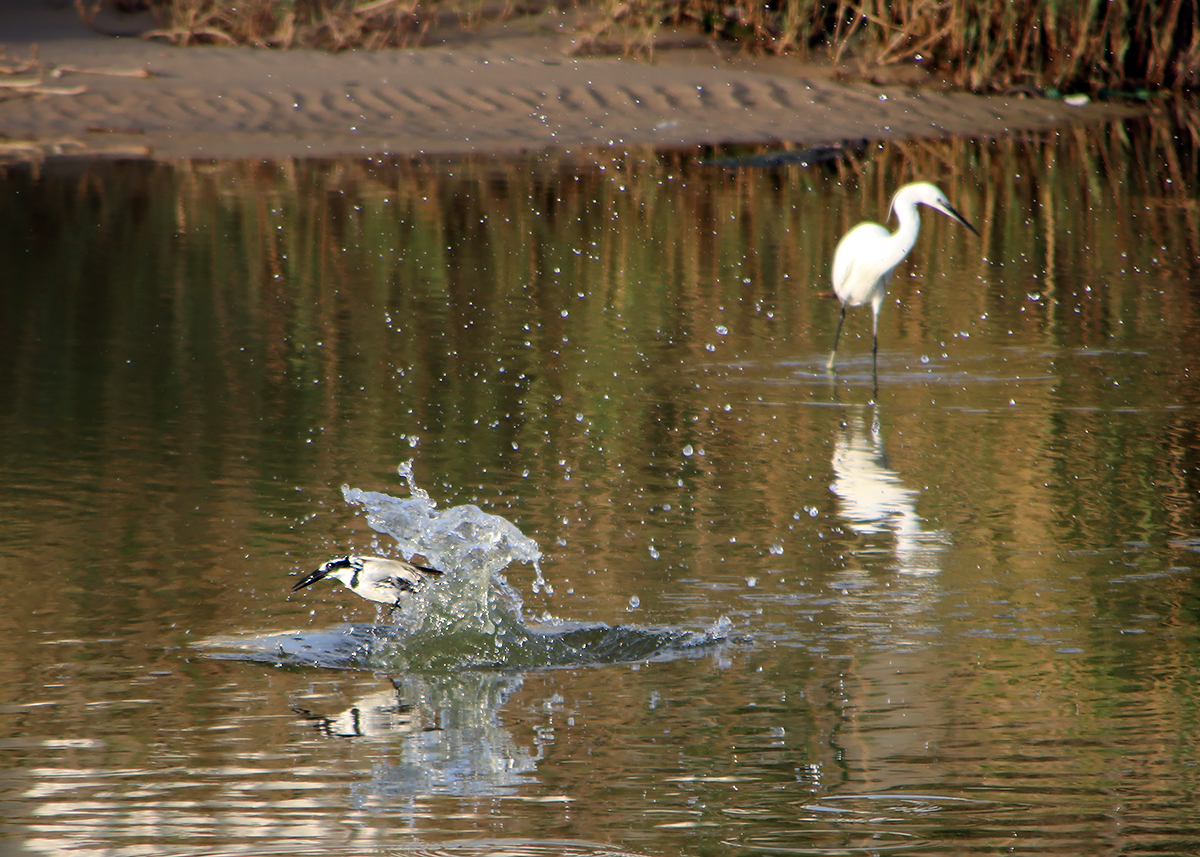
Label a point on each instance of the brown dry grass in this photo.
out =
(287, 23)
(979, 45)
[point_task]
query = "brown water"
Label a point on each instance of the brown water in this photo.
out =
(961, 621)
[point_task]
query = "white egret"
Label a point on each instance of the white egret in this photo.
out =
(867, 254)
(373, 577)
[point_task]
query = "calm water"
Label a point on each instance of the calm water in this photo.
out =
(963, 621)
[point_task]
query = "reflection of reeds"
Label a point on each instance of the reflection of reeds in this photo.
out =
(186, 346)
(378, 299)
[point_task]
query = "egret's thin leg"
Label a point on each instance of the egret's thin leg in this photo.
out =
(836, 337)
(875, 352)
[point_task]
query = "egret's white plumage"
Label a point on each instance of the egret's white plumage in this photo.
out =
(373, 577)
(867, 254)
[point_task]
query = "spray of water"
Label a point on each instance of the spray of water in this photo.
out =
(470, 546)
(469, 617)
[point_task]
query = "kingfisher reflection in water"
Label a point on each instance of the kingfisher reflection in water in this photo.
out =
(445, 733)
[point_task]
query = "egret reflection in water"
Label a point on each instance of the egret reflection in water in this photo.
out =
(874, 500)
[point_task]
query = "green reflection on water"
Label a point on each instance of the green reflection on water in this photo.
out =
(624, 355)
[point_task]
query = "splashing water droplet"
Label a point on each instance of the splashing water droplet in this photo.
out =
(469, 617)
(539, 582)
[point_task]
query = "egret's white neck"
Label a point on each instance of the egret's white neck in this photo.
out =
(901, 241)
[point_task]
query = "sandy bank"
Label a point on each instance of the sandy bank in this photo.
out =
(506, 89)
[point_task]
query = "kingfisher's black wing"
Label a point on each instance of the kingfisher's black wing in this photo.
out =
(400, 584)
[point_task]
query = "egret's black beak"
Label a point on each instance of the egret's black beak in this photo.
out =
(954, 215)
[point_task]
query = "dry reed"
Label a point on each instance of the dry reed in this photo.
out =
(334, 26)
(978, 45)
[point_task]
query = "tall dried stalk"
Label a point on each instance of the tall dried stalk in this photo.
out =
(1090, 44)
(330, 24)
(979, 44)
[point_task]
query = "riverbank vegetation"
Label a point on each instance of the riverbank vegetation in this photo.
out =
(975, 45)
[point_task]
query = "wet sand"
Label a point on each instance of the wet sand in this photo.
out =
(502, 89)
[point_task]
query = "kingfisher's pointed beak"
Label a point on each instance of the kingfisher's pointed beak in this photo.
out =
(312, 578)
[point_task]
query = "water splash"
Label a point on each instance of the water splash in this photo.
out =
(392, 649)
(470, 617)
(469, 545)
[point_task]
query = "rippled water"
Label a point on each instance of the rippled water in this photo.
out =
(960, 620)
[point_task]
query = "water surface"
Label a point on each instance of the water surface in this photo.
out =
(962, 619)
